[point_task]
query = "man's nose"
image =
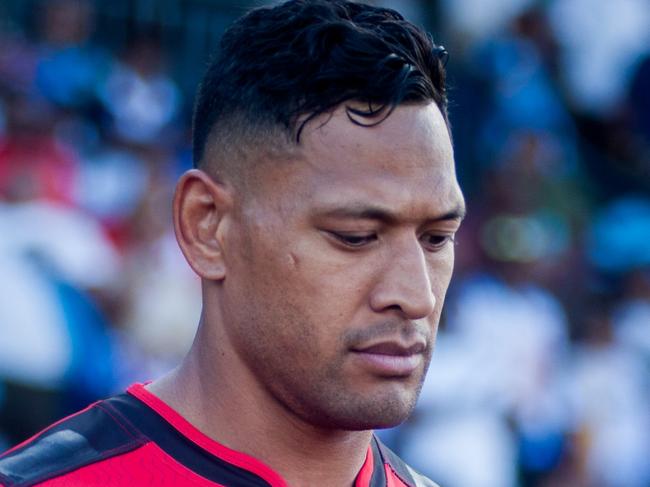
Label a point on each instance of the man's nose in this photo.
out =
(404, 283)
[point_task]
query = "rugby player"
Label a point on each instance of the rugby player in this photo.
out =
(320, 217)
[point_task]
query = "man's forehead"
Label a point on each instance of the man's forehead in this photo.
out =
(412, 137)
(412, 144)
(406, 161)
(389, 200)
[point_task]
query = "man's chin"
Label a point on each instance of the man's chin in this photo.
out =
(377, 422)
(361, 414)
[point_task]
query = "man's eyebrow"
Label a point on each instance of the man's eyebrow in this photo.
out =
(363, 211)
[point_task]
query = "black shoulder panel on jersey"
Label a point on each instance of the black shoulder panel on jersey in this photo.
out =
(409, 476)
(89, 436)
(182, 449)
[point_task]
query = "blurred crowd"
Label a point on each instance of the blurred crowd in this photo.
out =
(541, 374)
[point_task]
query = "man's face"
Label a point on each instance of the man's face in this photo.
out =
(338, 264)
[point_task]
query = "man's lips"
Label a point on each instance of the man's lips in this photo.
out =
(390, 358)
(392, 348)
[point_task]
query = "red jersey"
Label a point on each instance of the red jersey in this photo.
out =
(136, 439)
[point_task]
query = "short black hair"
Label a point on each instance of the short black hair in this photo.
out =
(279, 67)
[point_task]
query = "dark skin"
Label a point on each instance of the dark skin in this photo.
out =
(322, 292)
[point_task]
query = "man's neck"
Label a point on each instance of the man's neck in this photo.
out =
(248, 419)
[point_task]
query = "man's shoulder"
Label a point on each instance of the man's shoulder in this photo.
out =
(93, 434)
(404, 472)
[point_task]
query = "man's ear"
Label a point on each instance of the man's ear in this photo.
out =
(202, 209)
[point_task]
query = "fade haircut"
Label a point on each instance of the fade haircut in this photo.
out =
(280, 67)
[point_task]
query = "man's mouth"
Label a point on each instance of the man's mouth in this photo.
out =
(391, 358)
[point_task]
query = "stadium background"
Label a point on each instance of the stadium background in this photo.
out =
(541, 376)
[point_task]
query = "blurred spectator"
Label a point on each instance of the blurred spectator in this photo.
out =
(523, 102)
(33, 163)
(111, 184)
(55, 354)
(602, 41)
(607, 385)
(70, 69)
(139, 94)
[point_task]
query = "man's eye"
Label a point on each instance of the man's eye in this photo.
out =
(436, 242)
(354, 240)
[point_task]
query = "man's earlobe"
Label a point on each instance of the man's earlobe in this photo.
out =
(201, 209)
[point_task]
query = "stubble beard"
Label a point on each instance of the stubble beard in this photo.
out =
(319, 390)
(327, 401)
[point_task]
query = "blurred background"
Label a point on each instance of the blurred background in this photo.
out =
(541, 376)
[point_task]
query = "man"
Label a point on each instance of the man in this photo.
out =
(321, 219)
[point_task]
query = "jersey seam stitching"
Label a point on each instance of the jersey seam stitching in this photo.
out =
(123, 422)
